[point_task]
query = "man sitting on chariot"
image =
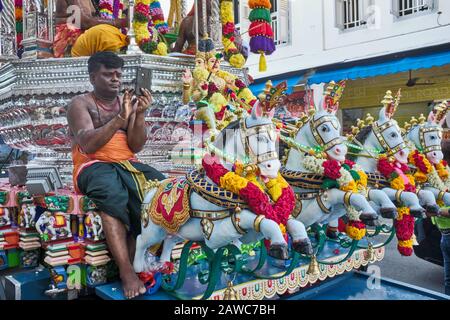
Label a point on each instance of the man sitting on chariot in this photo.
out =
(80, 32)
(107, 129)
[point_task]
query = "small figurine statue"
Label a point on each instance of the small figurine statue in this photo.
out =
(215, 91)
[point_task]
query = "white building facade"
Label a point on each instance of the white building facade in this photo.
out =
(315, 35)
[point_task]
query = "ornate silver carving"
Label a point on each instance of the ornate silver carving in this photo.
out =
(7, 32)
(36, 27)
(215, 26)
(34, 95)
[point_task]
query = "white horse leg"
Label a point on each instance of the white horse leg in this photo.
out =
(300, 240)
(270, 230)
(437, 192)
(387, 207)
(410, 200)
(428, 201)
(337, 197)
(169, 243)
(151, 235)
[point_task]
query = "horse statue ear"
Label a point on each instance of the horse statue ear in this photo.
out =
(389, 106)
(257, 110)
(438, 114)
(332, 95)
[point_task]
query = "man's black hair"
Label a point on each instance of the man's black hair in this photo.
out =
(105, 58)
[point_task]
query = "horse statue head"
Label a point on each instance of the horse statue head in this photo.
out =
(320, 130)
(427, 135)
(252, 139)
(382, 136)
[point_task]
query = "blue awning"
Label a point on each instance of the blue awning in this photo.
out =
(389, 67)
(257, 88)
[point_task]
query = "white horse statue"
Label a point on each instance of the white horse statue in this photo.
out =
(213, 217)
(426, 138)
(322, 131)
(383, 137)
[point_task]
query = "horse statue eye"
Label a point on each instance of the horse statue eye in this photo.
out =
(394, 135)
(325, 129)
(433, 138)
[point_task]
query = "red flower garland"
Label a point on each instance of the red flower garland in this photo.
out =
(257, 201)
(331, 169)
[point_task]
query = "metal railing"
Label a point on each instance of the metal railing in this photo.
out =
(278, 38)
(353, 14)
(409, 7)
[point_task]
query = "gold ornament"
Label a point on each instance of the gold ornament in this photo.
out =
(413, 121)
(370, 253)
(313, 268)
(230, 293)
(422, 119)
(441, 111)
(388, 99)
(369, 119)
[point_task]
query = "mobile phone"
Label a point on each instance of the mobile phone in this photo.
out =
(143, 80)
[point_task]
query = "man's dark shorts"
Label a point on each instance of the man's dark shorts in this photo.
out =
(116, 191)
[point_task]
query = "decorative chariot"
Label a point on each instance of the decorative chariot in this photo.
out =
(253, 207)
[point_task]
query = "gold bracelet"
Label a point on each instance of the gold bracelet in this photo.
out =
(398, 195)
(257, 222)
(441, 196)
(347, 196)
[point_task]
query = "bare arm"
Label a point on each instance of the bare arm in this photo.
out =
(137, 135)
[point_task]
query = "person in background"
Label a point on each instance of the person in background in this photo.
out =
(443, 224)
(107, 129)
(93, 34)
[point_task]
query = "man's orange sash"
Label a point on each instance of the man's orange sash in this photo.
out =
(115, 150)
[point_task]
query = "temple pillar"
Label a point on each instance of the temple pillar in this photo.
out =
(8, 46)
(37, 28)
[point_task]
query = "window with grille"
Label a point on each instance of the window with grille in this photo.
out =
(402, 8)
(280, 21)
(279, 13)
(350, 14)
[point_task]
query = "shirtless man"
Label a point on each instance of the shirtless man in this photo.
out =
(107, 130)
(67, 30)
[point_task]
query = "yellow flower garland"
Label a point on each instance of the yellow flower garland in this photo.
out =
(355, 233)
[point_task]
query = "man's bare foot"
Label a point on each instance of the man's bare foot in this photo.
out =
(132, 286)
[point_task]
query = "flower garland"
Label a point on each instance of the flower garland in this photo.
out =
(260, 30)
(250, 191)
(400, 179)
(157, 16)
(18, 7)
(232, 53)
(426, 172)
(146, 33)
(111, 9)
(346, 177)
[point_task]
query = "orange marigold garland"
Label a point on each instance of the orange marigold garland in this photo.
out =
(279, 190)
(400, 179)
